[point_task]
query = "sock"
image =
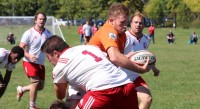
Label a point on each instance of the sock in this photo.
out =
(32, 104)
(22, 89)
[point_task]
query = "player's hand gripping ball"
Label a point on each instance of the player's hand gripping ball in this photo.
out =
(140, 57)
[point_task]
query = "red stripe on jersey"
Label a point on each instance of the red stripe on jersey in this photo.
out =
(63, 60)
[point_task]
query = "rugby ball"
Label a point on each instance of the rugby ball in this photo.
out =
(140, 57)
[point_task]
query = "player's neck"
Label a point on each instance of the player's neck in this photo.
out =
(138, 35)
(40, 29)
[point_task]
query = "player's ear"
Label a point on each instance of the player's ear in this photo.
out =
(111, 20)
(56, 53)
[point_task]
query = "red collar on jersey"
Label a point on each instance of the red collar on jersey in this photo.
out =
(64, 50)
(39, 30)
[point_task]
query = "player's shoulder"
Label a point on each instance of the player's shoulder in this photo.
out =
(3, 53)
(146, 36)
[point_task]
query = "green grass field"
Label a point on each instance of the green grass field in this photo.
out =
(177, 87)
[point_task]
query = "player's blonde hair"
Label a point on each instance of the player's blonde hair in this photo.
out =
(139, 15)
(117, 9)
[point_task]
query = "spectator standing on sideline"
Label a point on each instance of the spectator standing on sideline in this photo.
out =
(8, 61)
(11, 38)
(106, 86)
(33, 61)
(87, 29)
(193, 38)
(94, 29)
(151, 32)
(171, 37)
(81, 33)
(135, 41)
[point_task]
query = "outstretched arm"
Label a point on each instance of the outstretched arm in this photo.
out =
(5, 82)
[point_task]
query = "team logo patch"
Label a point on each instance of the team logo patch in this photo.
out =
(112, 35)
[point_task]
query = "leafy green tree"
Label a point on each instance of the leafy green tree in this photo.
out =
(50, 7)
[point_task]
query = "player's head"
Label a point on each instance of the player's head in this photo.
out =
(40, 19)
(11, 34)
(137, 23)
(53, 47)
(118, 17)
(87, 22)
(16, 54)
(58, 104)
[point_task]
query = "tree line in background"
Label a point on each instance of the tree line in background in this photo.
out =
(159, 12)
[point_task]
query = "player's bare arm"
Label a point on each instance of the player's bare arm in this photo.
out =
(30, 56)
(60, 90)
(5, 82)
(116, 57)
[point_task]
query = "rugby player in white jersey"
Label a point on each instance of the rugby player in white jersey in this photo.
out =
(8, 61)
(136, 40)
(87, 67)
(33, 61)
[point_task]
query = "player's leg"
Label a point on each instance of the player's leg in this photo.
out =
(1, 81)
(143, 93)
(36, 84)
(85, 39)
(129, 98)
(145, 97)
(153, 38)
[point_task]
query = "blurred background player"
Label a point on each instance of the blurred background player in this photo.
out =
(8, 61)
(87, 30)
(81, 33)
(151, 30)
(94, 29)
(33, 61)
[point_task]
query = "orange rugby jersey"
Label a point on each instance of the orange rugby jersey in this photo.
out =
(107, 37)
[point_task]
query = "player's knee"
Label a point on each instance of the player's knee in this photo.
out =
(38, 84)
(147, 99)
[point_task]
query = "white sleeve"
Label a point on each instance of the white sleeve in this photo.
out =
(58, 73)
(26, 37)
(2, 54)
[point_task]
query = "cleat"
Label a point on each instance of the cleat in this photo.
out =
(19, 93)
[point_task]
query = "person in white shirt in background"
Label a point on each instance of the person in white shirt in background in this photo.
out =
(87, 30)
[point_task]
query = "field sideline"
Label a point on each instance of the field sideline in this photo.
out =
(177, 87)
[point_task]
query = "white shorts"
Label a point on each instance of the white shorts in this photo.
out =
(75, 93)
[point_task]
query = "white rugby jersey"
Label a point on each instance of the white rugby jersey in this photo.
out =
(34, 40)
(133, 44)
(88, 68)
(4, 64)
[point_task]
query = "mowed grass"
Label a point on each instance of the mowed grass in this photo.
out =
(177, 86)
